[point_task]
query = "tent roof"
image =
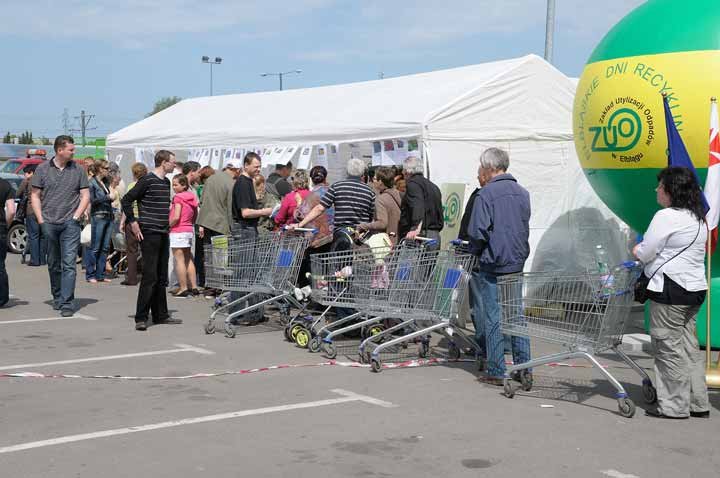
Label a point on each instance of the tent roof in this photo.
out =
(389, 108)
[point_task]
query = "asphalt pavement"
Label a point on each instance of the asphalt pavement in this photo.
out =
(101, 399)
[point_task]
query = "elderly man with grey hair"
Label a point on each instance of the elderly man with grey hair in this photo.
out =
(499, 231)
(421, 211)
(353, 200)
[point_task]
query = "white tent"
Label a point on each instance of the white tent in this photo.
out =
(523, 105)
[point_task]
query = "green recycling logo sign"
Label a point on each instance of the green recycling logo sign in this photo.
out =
(451, 209)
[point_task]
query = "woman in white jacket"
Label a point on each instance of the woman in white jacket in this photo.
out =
(673, 251)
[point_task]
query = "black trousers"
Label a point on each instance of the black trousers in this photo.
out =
(152, 297)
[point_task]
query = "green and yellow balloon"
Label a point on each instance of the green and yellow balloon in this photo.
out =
(663, 46)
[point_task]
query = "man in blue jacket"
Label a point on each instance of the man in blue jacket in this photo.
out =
(499, 230)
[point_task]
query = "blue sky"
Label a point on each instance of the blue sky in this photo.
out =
(116, 58)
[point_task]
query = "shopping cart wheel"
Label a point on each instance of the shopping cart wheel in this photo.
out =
(626, 407)
(649, 393)
(315, 345)
(230, 330)
(330, 351)
(508, 389)
(302, 337)
(526, 380)
(210, 327)
(294, 330)
(453, 352)
(423, 349)
(376, 365)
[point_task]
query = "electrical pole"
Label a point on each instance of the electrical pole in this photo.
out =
(84, 122)
(549, 30)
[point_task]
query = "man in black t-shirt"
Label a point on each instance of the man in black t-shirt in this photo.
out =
(246, 213)
(7, 211)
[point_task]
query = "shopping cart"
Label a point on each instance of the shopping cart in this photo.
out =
(426, 293)
(583, 313)
(263, 269)
(358, 280)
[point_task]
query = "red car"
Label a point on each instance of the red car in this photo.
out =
(33, 156)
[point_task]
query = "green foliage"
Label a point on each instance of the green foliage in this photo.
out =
(7, 138)
(163, 103)
(26, 138)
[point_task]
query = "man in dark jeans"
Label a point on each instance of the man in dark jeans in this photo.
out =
(152, 193)
(7, 211)
(246, 213)
(59, 199)
(421, 212)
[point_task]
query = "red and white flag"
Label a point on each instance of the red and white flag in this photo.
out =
(712, 183)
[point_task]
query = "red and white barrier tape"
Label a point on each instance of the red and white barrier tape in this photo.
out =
(331, 363)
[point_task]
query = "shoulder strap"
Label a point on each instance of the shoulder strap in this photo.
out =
(685, 249)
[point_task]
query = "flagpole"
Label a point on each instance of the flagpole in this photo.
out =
(712, 373)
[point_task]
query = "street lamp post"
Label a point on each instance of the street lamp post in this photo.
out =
(280, 75)
(216, 61)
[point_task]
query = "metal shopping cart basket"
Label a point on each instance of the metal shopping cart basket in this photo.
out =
(426, 292)
(357, 280)
(263, 270)
(584, 313)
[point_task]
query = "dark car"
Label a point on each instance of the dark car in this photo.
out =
(17, 235)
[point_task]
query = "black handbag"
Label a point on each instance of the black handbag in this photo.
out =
(641, 286)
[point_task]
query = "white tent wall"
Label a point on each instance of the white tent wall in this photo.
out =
(568, 219)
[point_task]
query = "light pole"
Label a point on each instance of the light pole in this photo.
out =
(216, 61)
(280, 75)
(549, 30)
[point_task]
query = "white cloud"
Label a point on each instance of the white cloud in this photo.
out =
(360, 29)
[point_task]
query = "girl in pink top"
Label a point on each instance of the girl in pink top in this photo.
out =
(183, 213)
(291, 201)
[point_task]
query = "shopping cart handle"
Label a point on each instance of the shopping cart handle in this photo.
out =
(631, 264)
(302, 229)
(426, 239)
(459, 242)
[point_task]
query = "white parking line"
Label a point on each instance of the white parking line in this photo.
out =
(22, 321)
(617, 474)
(180, 348)
(347, 397)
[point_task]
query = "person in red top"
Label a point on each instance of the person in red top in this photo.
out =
(291, 201)
(183, 213)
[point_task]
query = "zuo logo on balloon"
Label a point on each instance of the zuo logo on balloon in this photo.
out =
(625, 126)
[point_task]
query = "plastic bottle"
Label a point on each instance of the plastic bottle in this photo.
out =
(601, 259)
(606, 279)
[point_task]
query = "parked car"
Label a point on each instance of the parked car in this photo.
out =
(17, 235)
(33, 156)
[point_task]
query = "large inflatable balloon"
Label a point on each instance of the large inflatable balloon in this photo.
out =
(663, 47)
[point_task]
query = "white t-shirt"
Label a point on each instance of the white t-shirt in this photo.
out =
(671, 231)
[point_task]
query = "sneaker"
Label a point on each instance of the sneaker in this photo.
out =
(67, 313)
(174, 291)
(195, 292)
(705, 414)
(183, 294)
(140, 326)
(495, 381)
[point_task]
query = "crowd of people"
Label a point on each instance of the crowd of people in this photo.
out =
(169, 213)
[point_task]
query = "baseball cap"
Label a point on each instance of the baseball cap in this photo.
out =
(233, 163)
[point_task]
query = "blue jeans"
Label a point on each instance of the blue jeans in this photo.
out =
(487, 311)
(63, 243)
(102, 229)
(4, 287)
(37, 242)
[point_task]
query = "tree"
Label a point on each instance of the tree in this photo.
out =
(163, 103)
(7, 138)
(26, 138)
(44, 141)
